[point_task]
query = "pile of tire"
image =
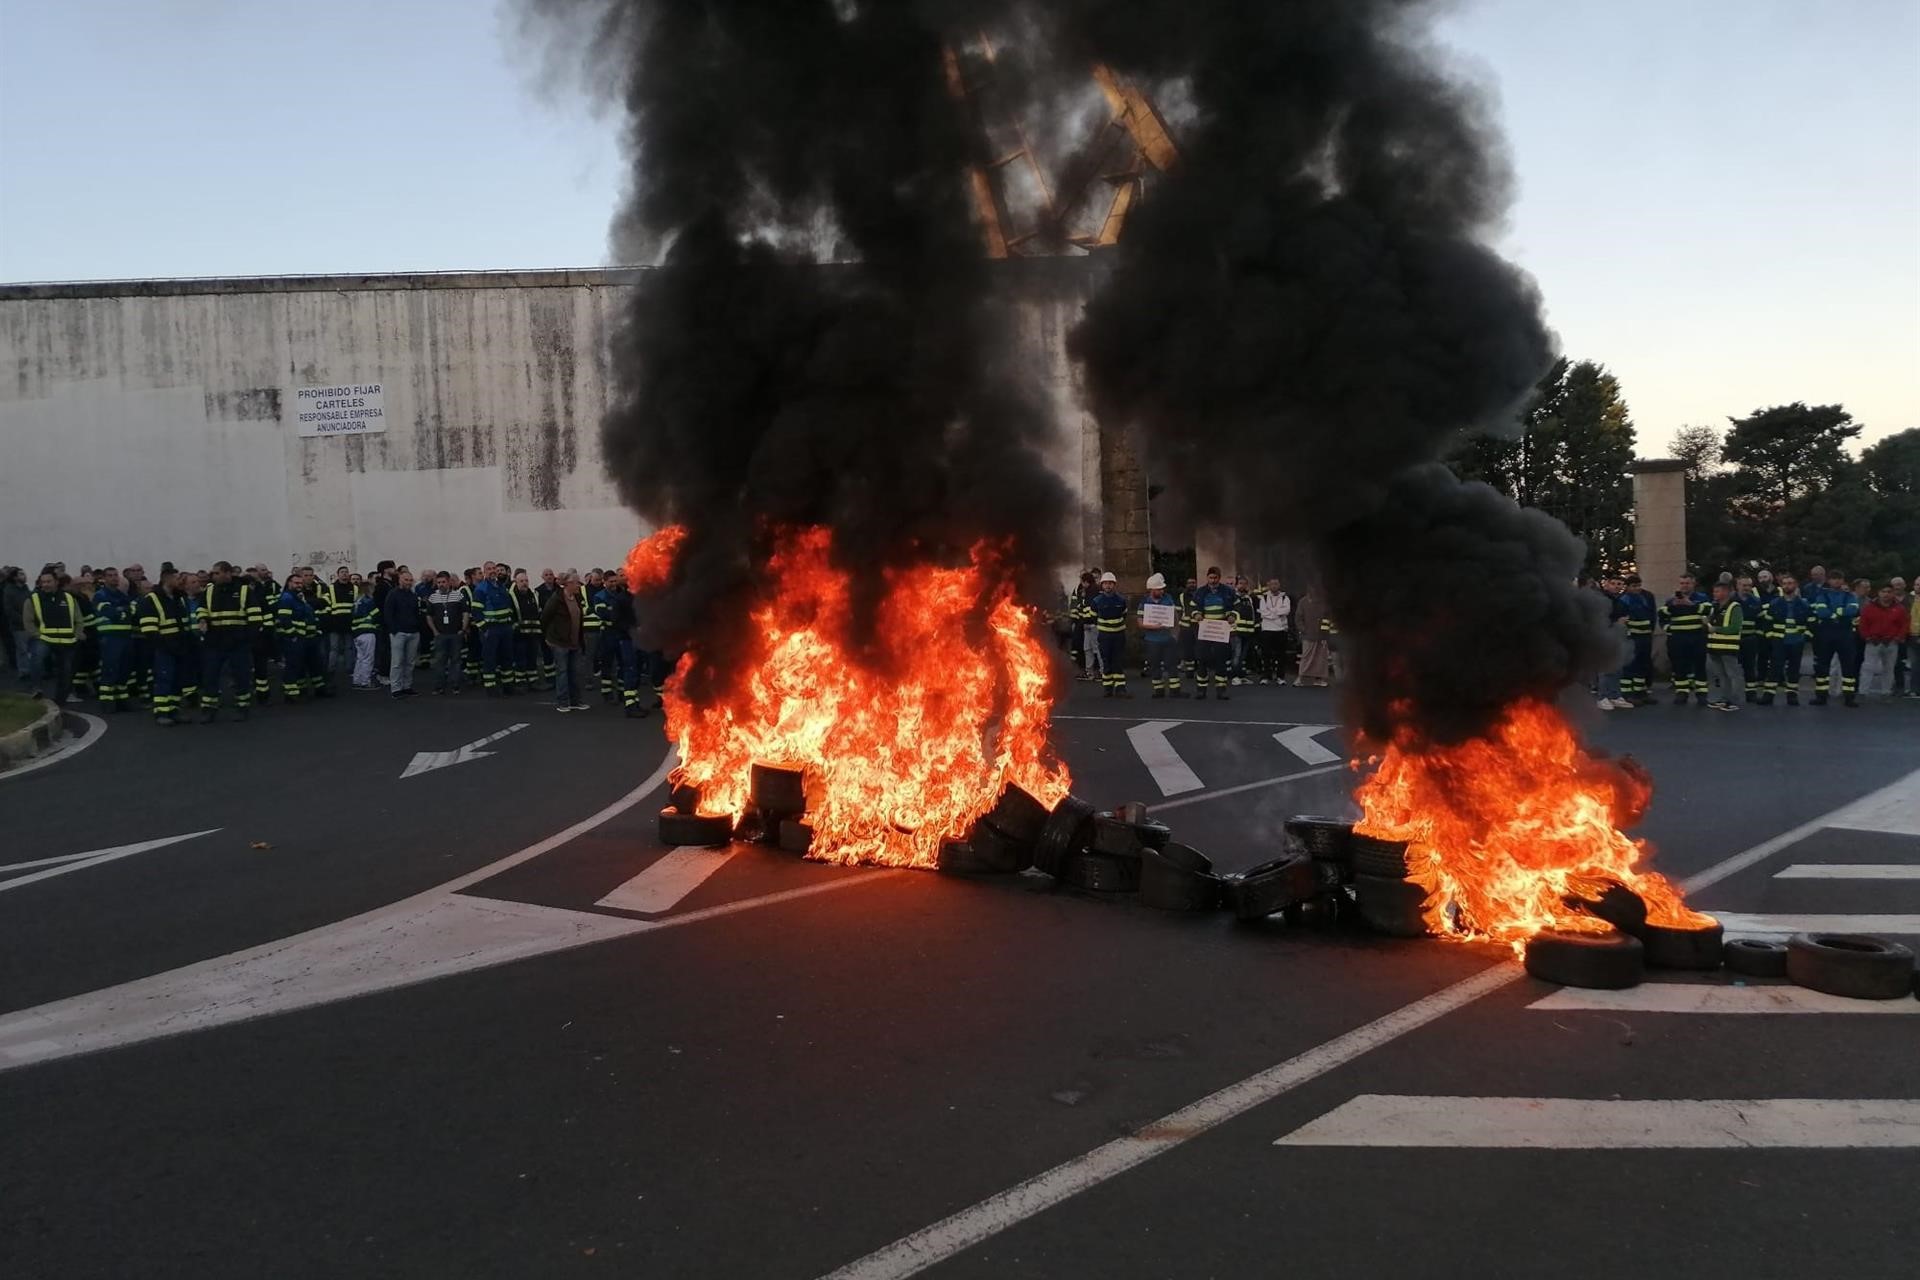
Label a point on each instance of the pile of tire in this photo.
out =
(775, 814)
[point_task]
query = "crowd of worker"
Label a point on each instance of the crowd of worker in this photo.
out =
(1748, 640)
(1756, 639)
(1211, 634)
(191, 641)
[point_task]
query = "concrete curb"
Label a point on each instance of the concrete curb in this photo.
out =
(40, 737)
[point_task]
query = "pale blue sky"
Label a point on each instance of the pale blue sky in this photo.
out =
(1721, 198)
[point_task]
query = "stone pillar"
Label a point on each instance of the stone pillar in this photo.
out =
(1126, 539)
(1659, 530)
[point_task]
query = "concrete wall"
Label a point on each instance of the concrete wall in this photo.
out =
(147, 420)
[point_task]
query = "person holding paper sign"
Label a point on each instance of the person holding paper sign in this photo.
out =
(1159, 619)
(1213, 637)
(1110, 625)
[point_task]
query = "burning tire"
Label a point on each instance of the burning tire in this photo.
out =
(777, 790)
(686, 798)
(795, 836)
(1850, 964)
(693, 829)
(1270, 887)
(1101, 873)
(1320, 837)
(1017, 815)
(1755, 957)
(1374, 856)
(1613, 902)
(1683, 947)
(1392, 906)
(1065, 831)
(1178, 879)
(1607, 961)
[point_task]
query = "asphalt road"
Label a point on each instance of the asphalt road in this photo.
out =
(476, 1022)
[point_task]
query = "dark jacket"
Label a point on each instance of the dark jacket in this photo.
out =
(401, 612)
(559, 626)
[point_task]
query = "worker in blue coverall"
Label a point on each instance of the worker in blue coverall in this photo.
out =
(1789, 619)
(1213, 602)
(1836, 612)
(1636, 681)
(1684, 619)
(293, 617)
(494, 604)
(1110, 631)
(113, 625)
(1159, 640)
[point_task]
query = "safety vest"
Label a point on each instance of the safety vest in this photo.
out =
(1245, 619)
(1728, 619)
(1689, 621)
(589, 621)
(366, 621)
(67, 630)
(239, 612)
(526, 610)
(157, 618)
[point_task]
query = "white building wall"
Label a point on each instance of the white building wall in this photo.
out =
(144, 420)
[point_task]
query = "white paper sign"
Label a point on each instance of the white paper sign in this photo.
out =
(353, 410)
(1216, 631)
(1156, 617)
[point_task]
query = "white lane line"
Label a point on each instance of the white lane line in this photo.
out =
(1586, 1124)
(1699, 997)
(428, 761)
(81, 862)
(1882, 810)
(672, 877)
(996, 1213)
(435, 935)
(48, 862)
(1848, 871)
(1748, 925)
(1245, 787)
(1299, 740)
(96, 730)
(931, 1245)
(1170, 772)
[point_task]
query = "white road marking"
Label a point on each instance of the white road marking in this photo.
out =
(81, 861)
(1299, 740)
(1883, 810)
(47, 862)
(1586, 1124)
(1740, 924)
(96, 730)
(1169, 771)
(931, 1245)
(426, 937)
(1848, 871)
(995, 1214)
(675, 875)
(1218, 724)
(1244, 787)
(1711, 998)
(428, 761)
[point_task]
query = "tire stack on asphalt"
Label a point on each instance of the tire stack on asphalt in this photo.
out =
(1619, 954)
(681, 823)
(1390, 900)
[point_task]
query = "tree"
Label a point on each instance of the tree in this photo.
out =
(1570, 459)
(1789, 451)
(1699, 448)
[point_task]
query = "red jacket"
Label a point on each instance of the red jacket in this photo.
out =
(1882, 622)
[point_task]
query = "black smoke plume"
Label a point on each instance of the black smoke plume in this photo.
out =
(758, 389)
(1305, 313)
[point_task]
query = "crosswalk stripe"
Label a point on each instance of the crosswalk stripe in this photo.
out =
(667, 880)
(1743, 924)
(1712, 998)
(1388, 1120)
(1169, 771)
(1848, 871)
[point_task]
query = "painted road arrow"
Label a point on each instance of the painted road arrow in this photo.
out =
(61, 865)
(1299, 740)
(428, 761)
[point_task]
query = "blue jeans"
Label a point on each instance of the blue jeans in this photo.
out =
(566, 678)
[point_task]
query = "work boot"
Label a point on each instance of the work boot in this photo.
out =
(1766, 699)
(1848, 700)
(1793, 698)
(240, 713)
(1106, 691)
(1680, 699)
(1752, 696)
(1819, 699)
(209, 715)
(1122, 692)
(1220, 695)
(1700, 698)
(1180, 692)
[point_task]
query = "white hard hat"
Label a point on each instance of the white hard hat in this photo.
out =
(1157, 582)
(1107, 577)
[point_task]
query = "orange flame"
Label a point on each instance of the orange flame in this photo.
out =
(900, 751)
(651, 559)
(1500, 827)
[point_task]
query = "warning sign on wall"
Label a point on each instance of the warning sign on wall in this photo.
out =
(338, 411)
